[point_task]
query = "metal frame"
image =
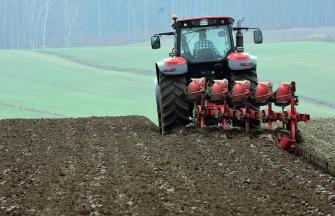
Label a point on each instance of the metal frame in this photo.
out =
(221, 111)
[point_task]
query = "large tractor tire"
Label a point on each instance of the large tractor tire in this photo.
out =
(250, 75)
(173, 107)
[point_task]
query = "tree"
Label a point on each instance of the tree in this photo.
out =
(48, 6)
(71, 13)
(57, 23)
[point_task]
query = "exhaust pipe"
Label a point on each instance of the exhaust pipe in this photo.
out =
(239, 36)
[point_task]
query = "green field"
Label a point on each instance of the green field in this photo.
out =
(35, 85)
(39, 85)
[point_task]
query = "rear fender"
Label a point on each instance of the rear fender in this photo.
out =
(241, 61)
(172, 66)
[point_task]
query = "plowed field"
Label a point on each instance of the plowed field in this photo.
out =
(122, 166)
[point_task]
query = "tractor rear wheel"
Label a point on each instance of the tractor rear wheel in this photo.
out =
(250, 75)
(174, 108)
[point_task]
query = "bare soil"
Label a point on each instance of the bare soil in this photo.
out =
(122, 166)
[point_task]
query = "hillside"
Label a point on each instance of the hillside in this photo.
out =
(37, 85)
(109, 81)
(121, 165)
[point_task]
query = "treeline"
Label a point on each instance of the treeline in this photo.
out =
(64, 23)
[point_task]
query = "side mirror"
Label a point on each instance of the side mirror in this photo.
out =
(258, 37)
(155, 42)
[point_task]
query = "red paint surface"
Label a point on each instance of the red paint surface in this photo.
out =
(174, 61)
(236, 56)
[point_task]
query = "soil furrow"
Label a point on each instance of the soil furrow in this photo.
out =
(122, 166)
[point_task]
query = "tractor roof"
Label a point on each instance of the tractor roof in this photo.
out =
(203, 21)
(205, 17)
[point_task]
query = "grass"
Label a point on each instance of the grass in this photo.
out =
(131, 57)
(38, 85)
(35, 85)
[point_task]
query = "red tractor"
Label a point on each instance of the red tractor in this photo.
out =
(209, 80)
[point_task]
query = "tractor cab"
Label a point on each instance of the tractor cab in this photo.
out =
(206, 43)
(207, 39)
